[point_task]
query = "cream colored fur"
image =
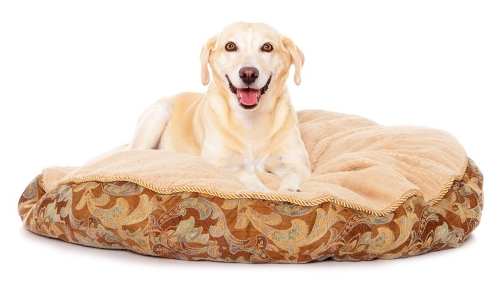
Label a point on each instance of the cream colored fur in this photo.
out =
(216, 126)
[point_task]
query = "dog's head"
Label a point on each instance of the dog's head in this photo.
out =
(249, 61)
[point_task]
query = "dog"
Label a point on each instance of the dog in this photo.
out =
(245, 121)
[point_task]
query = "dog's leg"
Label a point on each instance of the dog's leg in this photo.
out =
(251, 181)
(151, 124)
(292, 174)
(292, 181)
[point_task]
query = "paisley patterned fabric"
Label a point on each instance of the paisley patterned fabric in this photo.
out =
(189, 225)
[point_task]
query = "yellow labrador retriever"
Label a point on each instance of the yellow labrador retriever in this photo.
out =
(245, 121)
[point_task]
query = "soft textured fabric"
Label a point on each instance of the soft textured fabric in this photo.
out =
(353, 160)
(375, 192)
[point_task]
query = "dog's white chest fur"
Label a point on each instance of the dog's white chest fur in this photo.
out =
(235, 153)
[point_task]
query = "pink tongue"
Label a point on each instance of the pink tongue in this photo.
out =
(248, 97)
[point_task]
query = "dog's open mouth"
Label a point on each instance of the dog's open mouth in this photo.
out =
(248, 97)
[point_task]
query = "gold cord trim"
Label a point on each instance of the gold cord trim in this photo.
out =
(270, 197)
(448, 185)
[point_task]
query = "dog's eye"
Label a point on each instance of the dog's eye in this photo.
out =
(267, 47)
(230, 46)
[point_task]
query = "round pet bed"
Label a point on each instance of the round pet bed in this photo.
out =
(375, 192)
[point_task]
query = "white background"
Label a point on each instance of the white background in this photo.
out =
(74, 77)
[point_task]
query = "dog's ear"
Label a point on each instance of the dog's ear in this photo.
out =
(297, 57)
(204, 56)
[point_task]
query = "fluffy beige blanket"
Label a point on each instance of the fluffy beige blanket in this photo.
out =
(354, 161)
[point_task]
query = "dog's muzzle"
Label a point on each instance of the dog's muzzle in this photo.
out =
(248, 97)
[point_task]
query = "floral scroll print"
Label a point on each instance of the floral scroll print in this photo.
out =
(196, 226)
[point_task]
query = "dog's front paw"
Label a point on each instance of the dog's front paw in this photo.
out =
(290, 182)
(259, 188)
(251, 181)
(256, 185)
(290, 189)
(284, 186)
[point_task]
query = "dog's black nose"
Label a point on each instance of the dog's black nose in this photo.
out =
(249, 75)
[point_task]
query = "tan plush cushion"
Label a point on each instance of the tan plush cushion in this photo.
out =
(384, 181)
